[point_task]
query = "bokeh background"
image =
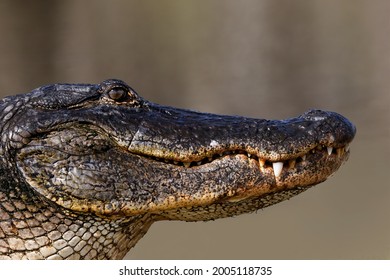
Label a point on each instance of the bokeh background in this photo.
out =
(267, 59)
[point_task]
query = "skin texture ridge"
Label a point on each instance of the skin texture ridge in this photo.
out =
(85, 169)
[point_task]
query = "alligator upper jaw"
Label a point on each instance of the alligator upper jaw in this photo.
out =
(207, 137)
(189, 137)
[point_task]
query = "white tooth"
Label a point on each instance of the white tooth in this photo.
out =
(330, 150)
(187, 164)
(278, 166)
(303, 157)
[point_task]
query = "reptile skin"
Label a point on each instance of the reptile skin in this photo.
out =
(85, 169)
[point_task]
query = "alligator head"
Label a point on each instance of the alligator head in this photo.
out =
(86, 169)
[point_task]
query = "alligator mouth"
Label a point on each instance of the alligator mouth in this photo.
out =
(276, 166)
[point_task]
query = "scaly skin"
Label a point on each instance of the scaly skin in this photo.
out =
(86, 169)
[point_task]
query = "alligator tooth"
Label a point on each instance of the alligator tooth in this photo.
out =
(176, 162)
(249, 155)
(330, 150)
(210, 159)
(199, 163)
(347, 148)
(291, 163)
(187, 164)
(262, 162)
(278, 166)
(303, 157)
(340, 152)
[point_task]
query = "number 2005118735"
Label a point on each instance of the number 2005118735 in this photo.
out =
(246, 270)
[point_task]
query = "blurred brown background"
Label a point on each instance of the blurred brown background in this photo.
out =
(266, 59)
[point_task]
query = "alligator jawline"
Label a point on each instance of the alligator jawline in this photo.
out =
(276, 166)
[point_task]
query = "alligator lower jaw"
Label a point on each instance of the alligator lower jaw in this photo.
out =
(231, 206)
(265, 165)
(244, 184)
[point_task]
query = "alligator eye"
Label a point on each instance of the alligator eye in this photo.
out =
(118, 94)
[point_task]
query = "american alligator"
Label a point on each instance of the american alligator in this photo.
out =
(86, 169)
